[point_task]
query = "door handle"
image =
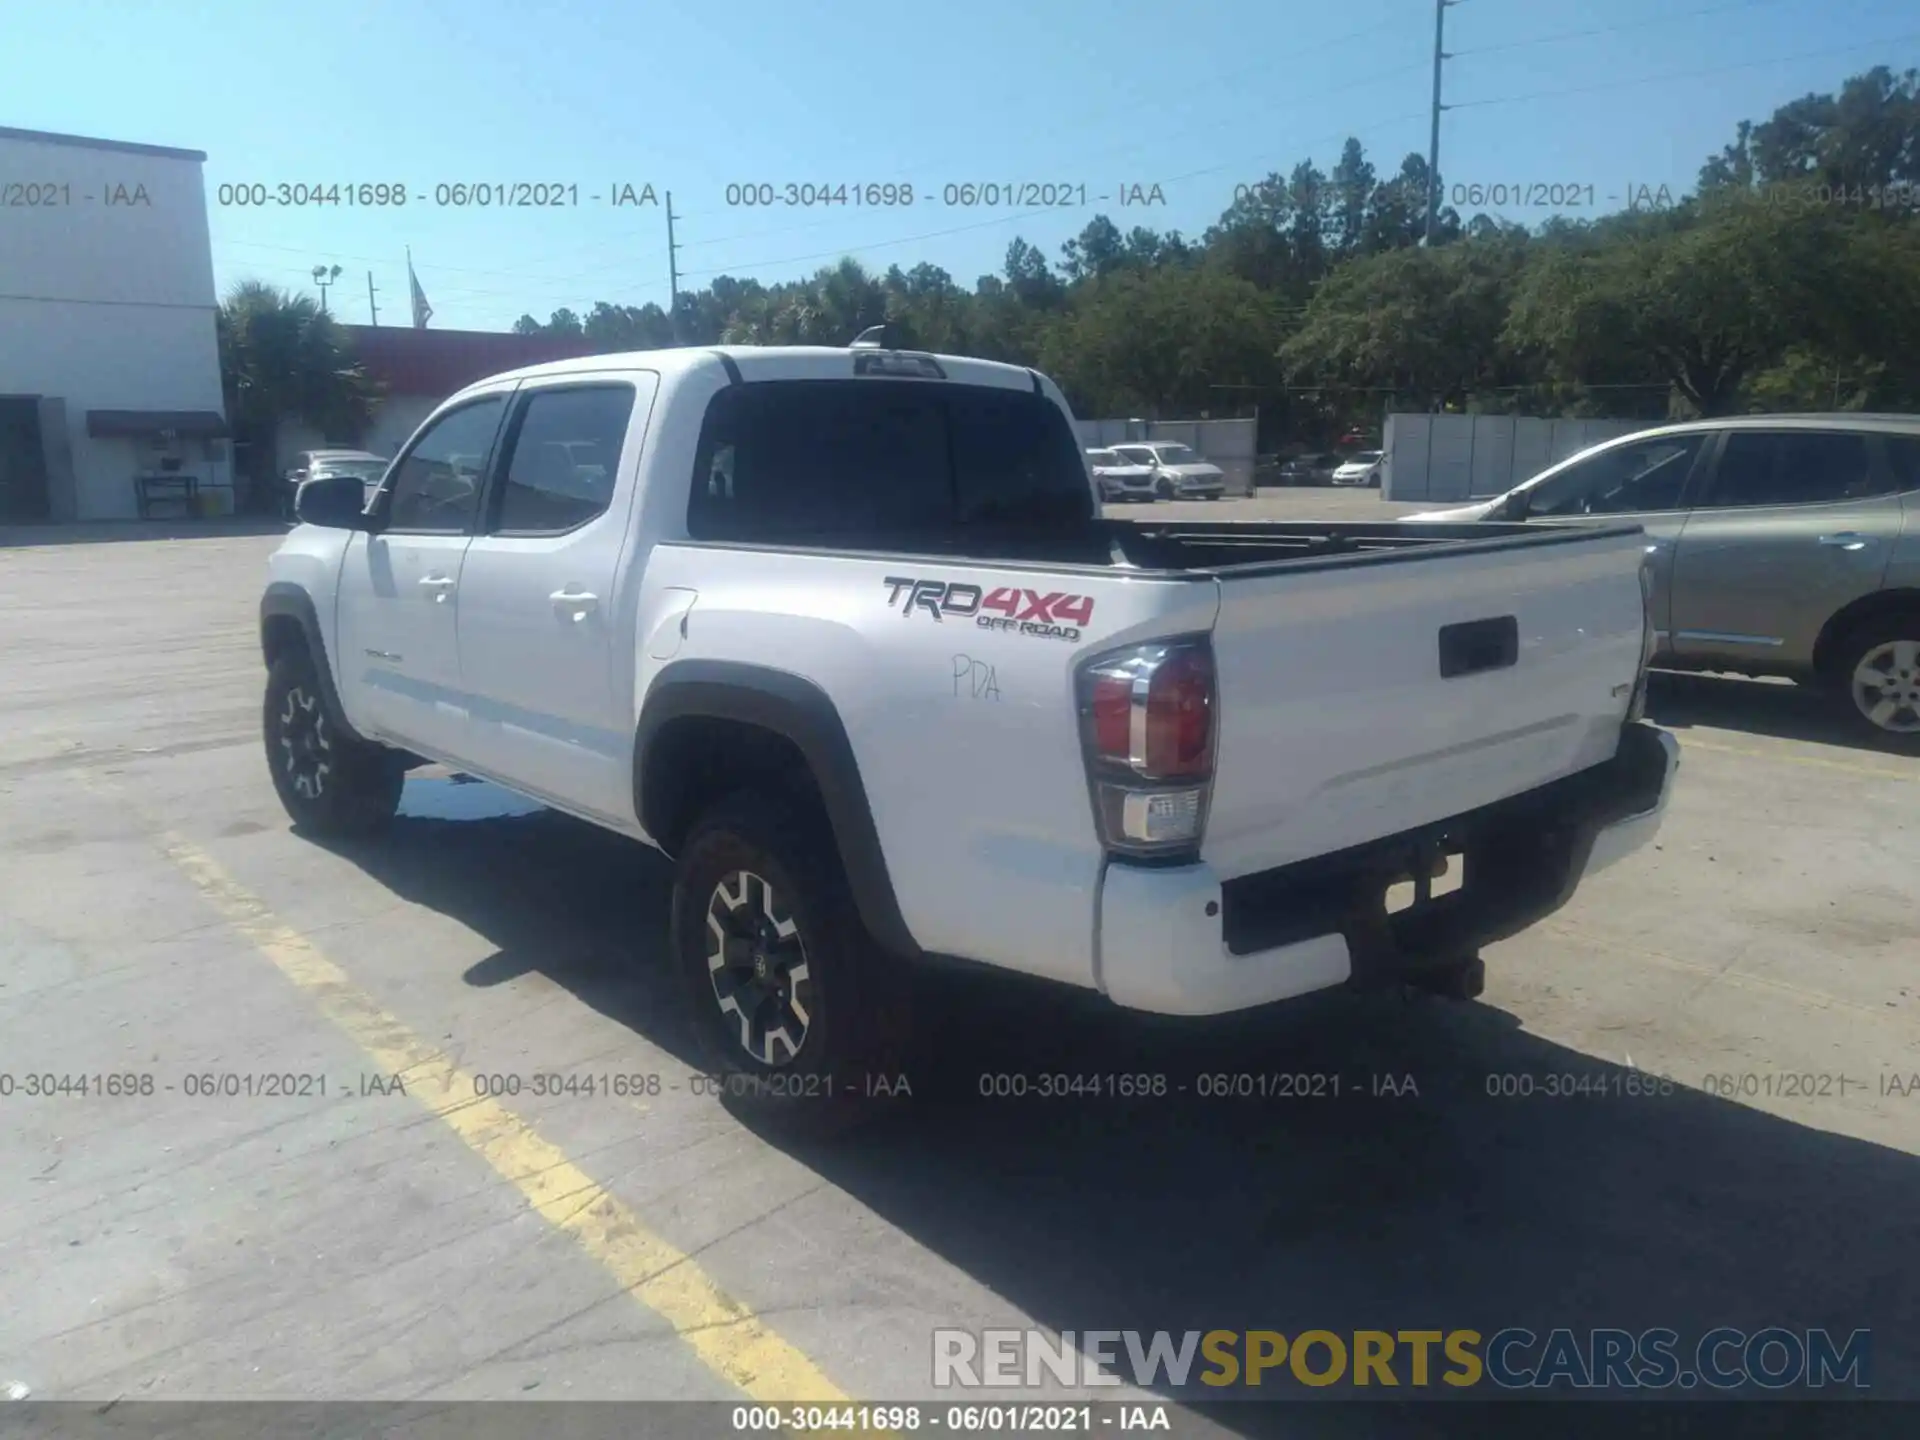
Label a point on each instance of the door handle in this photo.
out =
(440, 586)
(1846, 540)
(578, 601)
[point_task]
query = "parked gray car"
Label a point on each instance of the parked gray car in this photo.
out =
(1778, 545)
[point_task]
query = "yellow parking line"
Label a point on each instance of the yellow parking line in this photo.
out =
(726, 1335)
(1878, 772)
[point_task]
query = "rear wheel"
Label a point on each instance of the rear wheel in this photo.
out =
(800, 1014)
(329, 783)
(1879, 677)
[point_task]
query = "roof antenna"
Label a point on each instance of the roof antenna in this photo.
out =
(874, 337)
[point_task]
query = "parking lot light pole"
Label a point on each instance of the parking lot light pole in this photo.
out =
(322, 278)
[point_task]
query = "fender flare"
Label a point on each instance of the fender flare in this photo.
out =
(799, 711)
(284, 600)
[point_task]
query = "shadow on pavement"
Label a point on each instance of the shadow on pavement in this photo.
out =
(1414, 1198)
(1777, 708)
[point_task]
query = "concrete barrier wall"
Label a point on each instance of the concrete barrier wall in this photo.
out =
(1469, 457)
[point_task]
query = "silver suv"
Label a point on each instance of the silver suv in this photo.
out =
(1779, 545)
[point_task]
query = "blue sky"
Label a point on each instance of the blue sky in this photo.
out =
(1192, 95)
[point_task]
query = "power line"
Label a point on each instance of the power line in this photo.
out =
(877, 244)
(1023, 215)
(855, 250)
(525, 293)
(1237, 123)
(1687, 74)
(1263, 67)
(600, 246)
(1613, 29)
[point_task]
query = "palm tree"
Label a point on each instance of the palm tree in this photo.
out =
(282, 359)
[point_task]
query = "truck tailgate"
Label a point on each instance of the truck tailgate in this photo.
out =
(1357, 700)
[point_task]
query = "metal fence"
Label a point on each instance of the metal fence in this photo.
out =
(1468, 457)
(1230, 444)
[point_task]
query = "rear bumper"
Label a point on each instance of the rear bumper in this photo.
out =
(1179, 941)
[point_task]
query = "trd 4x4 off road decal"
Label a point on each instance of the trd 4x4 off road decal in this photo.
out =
(1053, 615)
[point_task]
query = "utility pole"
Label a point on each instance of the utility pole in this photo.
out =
(673, 274)
(372, 308)
(1433, 142)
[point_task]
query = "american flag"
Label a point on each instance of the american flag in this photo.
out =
(422, 311)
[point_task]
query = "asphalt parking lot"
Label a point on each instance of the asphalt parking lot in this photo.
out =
(157, 918)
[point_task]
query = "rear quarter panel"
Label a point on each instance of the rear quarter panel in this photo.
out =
(967, 737)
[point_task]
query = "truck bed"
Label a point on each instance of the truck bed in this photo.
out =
(1204, 550)
(1296, 545)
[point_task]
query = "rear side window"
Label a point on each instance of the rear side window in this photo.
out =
(1903, 454)
(1786, 467)
(837, 462)
(565, 452)
(1015, 459)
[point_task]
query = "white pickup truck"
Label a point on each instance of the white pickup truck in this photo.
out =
(844, 634)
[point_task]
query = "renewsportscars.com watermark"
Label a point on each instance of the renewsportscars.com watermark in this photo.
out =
(1774, 1358)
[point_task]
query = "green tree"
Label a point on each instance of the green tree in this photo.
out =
(1707, 305)
(1423, 323)
(1160, 342)
(1351, 187)
(281, 358)
(1098, 250)
(1868, 135)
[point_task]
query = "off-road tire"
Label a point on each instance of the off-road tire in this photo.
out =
(760, 862)
(330, 784)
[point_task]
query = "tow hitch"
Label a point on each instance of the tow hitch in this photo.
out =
(1464, 979)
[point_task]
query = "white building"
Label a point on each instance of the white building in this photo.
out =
(109, 365)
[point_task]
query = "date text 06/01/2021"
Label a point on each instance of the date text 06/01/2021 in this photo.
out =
(953, 194)
(445, 195)
(1012, 1418)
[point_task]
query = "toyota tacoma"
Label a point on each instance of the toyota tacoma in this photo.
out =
(845, 634)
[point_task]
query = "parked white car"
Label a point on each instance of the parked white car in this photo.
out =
(1178, 473)
(1362, 469)
(845, 634)
(1120, 480)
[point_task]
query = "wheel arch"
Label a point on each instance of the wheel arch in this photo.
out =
(288, 620)
(1828, 648)
(707, 726)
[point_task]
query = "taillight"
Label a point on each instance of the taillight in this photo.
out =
(1148, 730)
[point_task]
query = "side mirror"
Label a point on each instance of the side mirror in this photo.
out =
(336, 501)
(1516, 506)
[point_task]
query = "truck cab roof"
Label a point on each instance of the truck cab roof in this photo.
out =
(771, 362)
